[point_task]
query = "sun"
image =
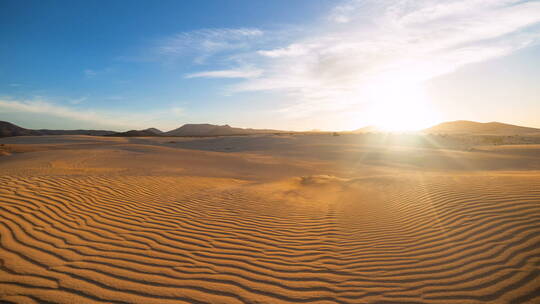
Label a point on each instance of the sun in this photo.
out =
(401, 107)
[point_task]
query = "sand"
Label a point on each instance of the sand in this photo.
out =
(268, 219)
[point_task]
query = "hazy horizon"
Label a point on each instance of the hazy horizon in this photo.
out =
(328, 65)
(278, 129)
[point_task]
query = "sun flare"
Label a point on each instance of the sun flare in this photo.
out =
(401, 107)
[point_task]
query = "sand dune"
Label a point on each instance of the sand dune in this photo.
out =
(473, 127)
(273, 219)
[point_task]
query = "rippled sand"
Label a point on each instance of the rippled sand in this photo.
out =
(267, 219)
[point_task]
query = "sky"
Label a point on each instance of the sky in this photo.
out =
(281, 64)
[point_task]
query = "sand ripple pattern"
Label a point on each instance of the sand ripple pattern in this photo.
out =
(181, 240)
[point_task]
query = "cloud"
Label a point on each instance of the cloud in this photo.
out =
(77, 101)
(110, 119)
(43, 107)
(205, 43)
(365, 44)
(291, 50)
(343, 12)
(237, 73)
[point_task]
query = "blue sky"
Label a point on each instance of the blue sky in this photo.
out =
(304, 64)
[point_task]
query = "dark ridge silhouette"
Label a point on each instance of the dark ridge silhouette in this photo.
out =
(8, 129)
(135, 133)
(215, 130)
(75, 132)
(154, 130)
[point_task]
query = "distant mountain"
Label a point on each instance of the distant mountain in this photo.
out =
(154, 130)
(8, 129)
(134, 133)
(453, 127)
(74, 132)
(214, 130)
(478, 128)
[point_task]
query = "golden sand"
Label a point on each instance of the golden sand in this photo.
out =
(267, 219)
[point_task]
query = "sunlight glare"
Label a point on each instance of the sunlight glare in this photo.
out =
(401, 106)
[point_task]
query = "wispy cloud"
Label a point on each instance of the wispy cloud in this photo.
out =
(76, 101)
(344, 12)
(366, 43)
(204, 43)
(235, 73)
(110, 119)
(289, 51)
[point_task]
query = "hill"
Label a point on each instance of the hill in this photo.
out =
(8, 129)
(478, 128)
(74, 132)
(214, 130)
(154, 130)
(134, 133)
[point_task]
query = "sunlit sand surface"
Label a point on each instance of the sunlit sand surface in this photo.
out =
(268, 219)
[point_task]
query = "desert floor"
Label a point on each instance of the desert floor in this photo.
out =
(268, 219)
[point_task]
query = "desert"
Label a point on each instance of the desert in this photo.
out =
(267, 152)
(355, 218)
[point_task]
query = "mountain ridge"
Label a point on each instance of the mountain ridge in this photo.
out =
(8, 129)
(215, 130)
(153, 130)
